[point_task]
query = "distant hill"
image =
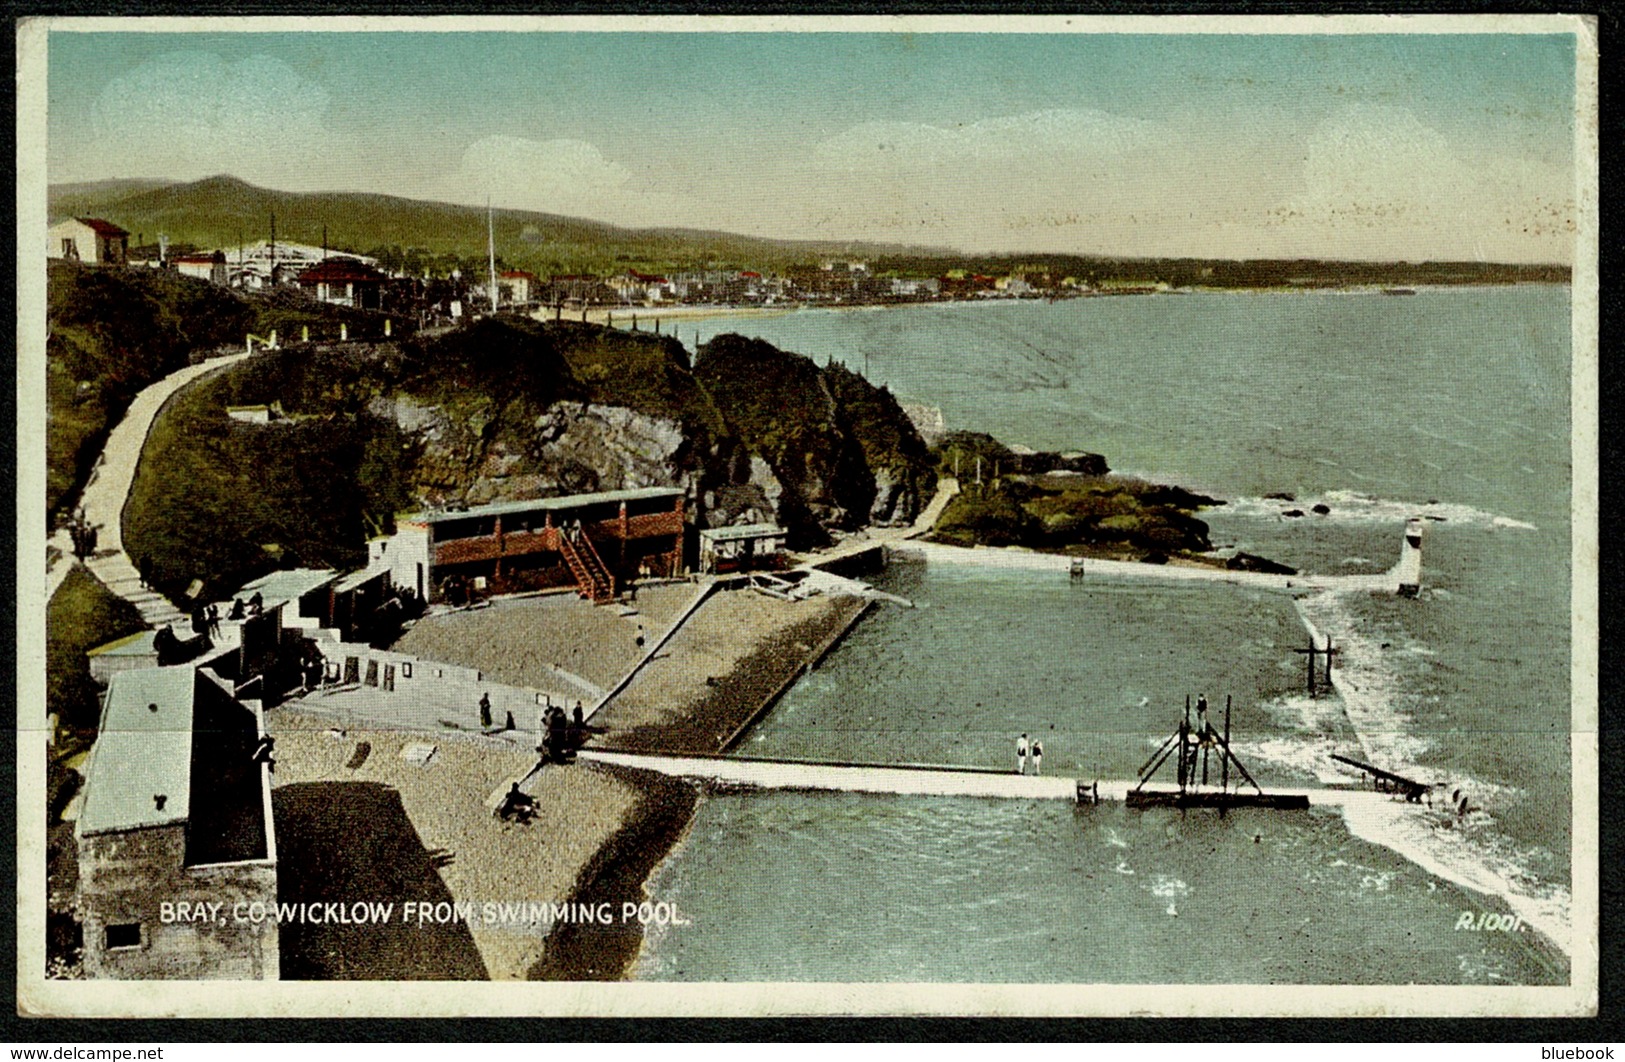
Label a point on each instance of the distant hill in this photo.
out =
(82, 197)
(220, 211)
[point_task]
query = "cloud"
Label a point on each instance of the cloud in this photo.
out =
(1056, 135)
(1379, 174)
(555, 176)
(192, 114)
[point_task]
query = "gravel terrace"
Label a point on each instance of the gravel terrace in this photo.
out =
(448, 803)
(523, 641)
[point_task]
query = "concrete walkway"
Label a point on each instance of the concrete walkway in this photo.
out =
(914, 780)
(868, 539)
(986, 556)
(108, 490)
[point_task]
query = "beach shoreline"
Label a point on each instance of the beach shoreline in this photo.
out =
(619, 874)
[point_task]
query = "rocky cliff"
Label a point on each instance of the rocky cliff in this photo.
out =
(839, 452)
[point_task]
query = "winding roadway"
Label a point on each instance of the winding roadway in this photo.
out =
(108, 489)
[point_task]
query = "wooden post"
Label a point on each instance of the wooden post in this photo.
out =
(1224, 764)
(1187, 760)
(1310, 656)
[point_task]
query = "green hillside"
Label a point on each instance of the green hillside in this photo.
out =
(220, 211)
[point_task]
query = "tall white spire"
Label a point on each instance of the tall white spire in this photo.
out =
(491, 250)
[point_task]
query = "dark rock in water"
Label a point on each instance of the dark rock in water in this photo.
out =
(1084, 464)
(1154, 557)
(1293, 512)
(1179, 497)
(1435, 519)
(1323, 510)
(1280, 495)
(1248, 562)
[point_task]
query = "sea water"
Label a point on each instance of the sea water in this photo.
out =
(1451, 404)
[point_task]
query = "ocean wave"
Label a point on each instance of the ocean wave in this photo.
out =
(1348, 506)
(1438, 843)
(1466, 850)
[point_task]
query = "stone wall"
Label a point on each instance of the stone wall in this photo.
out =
(126, 877)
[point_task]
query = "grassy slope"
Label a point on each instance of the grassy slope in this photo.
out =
(81, 615)
(111, 333)
(114, 331)
(225, 501)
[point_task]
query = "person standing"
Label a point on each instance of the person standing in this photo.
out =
(1038, 757)
(485, 709)
(1021, 754)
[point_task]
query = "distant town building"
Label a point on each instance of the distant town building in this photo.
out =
(89, 240)
(915, 287)
(210, 267)
(250, 266)
(344, 282)
(177, 807)
(517, 286)
(577, 289)
(635, 287)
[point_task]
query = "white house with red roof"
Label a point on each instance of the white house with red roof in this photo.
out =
(344, 282)
(517, 286)
(89, 240)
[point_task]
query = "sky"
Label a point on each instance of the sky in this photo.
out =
(1361, 146)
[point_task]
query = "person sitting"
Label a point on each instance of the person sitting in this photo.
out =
(517, 805)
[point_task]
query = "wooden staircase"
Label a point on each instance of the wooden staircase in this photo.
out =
(593, 579)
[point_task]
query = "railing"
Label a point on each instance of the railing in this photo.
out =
(593, 579)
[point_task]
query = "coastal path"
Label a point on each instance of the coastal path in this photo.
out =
(107, 491)
(878, 537)
(914, 779)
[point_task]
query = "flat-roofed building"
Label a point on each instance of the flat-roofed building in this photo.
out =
(177, 807)
(129, 653)
(207, 266)
(741, 548)
(595, 542)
